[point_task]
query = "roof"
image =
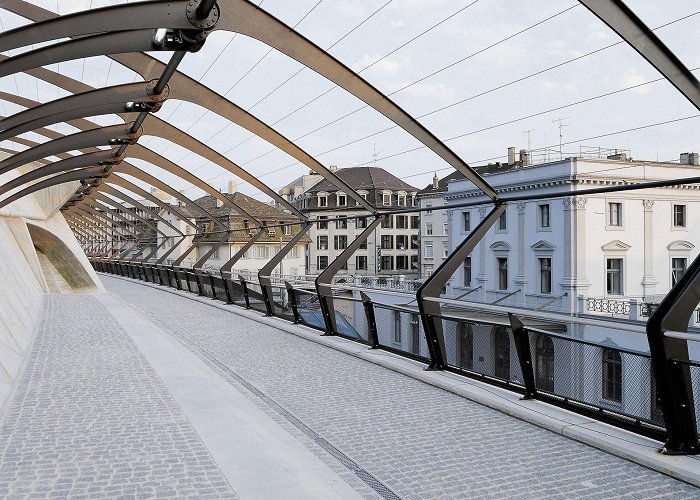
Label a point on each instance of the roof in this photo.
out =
(442, 183)
(256, 208)
(365, 178)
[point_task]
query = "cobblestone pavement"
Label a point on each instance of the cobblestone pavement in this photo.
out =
(91, 419)
(420, 441)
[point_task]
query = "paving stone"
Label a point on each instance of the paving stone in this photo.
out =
(90, 418)
(420, 441)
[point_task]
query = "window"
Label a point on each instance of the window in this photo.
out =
(363, 245)
(466, 222)
(502, 263)
(679, 216)
(678, 267)
(545, 274)
(215, 254)
(341, 223)
(322, 242)
(387, 241)
(322, 200)
(287, 230)
(445, 252)
(428, 206)
(322, 261)
(361, 262)
(467, 272)
(613, 272)
(502, 223)
(445, 228)
(501, 353)
(543, 216)
(402, 262)
(615, 214)
(321, 223)
(397, 327)
(401, 241)
(428, 229)
(341, 199)
(340, 241)
(612, 375)
(415, 222)
(387, 263)
(361, 222)
(388, 222)
(401, 222)
(414, 241)
(401, 199)
(428, 251)
(544, 363)
(386, 198)
(414, 262)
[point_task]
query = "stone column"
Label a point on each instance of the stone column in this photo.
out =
(481, 277)
(648, 280)
(521, 278)
(574, 281)
(448, 244)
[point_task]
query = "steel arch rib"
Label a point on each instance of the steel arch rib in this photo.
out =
(150, 156)
(241, 16)
(75, 175)
(98, 45)
(623, 21)
(98, 205)
(87, 160)
(89, 138)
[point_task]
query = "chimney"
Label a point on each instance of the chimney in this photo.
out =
(180, 202)
(524, 158)
(511, 155)
(436, 181)
(232, 186)
(333, 168)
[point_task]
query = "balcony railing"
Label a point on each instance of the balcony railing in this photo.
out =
(583, 376)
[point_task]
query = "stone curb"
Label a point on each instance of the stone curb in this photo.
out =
(607, 438)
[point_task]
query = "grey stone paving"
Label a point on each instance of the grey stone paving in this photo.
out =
(420, 441)
(91, 419)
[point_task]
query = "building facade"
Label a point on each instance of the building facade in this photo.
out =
(620, 246)
(392, 249)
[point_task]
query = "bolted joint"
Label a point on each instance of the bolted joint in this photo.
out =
(204, 23)
(150, 90)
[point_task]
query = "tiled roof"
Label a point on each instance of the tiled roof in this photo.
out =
(366, 178)
(256, 208)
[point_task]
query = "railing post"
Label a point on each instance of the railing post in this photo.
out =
(244, 286)
(667, 357)
(522, 346)
(291, 296)
(371, 321)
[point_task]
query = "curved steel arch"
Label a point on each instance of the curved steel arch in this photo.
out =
(105, 207)
(241, 16)
(83, 174)
(104, 136)
(87, 160)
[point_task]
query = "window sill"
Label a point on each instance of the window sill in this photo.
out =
(614, 228)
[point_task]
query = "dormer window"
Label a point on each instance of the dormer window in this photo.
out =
(341, 199)
(322, 199)
(363, 194)
(386, 197)
(401, 199)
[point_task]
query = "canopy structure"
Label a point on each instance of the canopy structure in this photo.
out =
(103, 158)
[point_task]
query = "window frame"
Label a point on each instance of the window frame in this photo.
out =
(609, 225)
(620, 272)
(502, 273)
(544, 217)
(611, 375)
(684, 212)
(544, 272)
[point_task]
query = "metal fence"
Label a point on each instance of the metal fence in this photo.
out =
(606, 382)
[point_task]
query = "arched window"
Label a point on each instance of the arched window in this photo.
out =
(501, 353)
(544, 363)
(612, 375)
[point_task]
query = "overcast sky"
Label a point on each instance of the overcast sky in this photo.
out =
(479, 129)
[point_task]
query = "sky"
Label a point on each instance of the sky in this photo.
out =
(481, 75)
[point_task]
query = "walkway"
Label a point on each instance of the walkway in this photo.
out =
(91, 413)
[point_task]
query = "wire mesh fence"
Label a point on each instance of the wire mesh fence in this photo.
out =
(400, 329)
(281, 305)
(255, 297)
(485, 349)
(235, 292)
(614, 380)
(693, 375)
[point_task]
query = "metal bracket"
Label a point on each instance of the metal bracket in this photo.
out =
(208, 22)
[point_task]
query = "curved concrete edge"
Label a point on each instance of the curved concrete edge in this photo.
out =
(612, 440)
